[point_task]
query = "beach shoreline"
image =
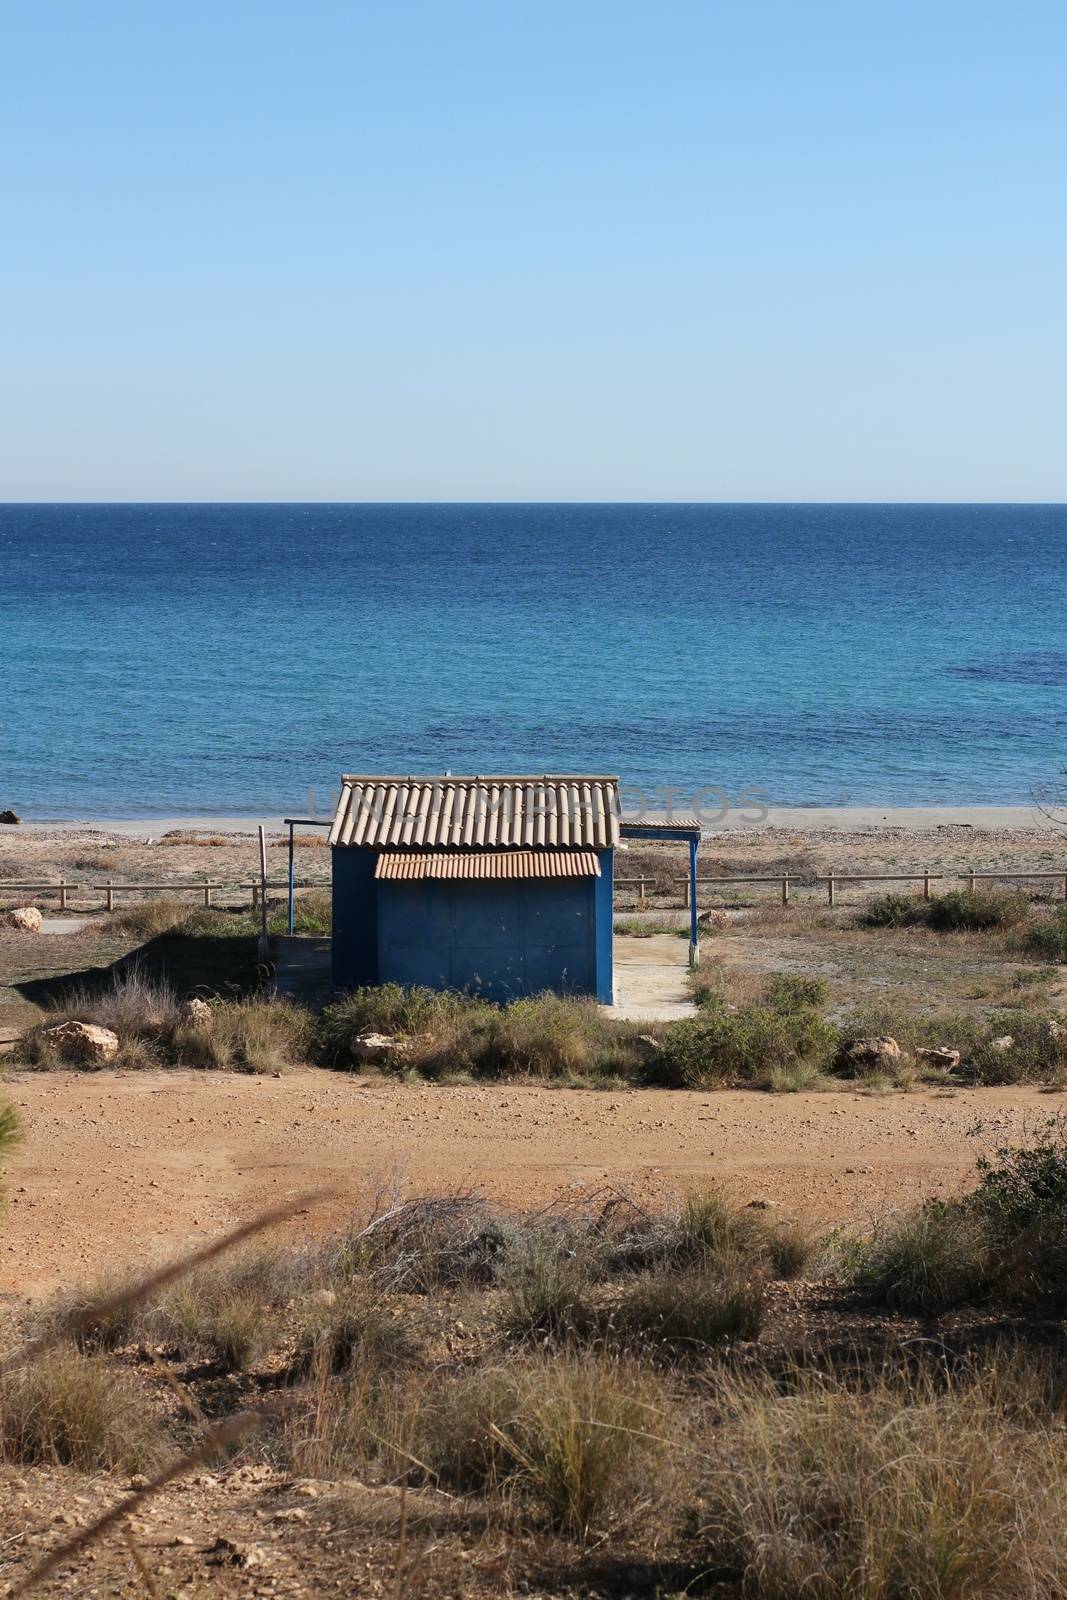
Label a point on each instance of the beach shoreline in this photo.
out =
(796, 819)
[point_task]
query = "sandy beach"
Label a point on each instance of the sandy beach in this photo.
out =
(798, 819)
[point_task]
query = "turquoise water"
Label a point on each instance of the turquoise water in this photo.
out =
(170, 659)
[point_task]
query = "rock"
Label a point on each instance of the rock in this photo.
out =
(84, 1041)
(877, 1051)
(10, 819)
(940, 1056)
(759, 1205)
(228, 1553)
(196, 1013)
(1004, 1042)
(1053, 1030)
(26, 919)
(377, 1047)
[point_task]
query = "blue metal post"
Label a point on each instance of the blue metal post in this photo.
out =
(694, 952)
(292, 882)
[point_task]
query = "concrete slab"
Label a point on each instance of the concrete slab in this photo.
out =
(650, 979)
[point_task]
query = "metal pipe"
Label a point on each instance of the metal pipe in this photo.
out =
(292, 909)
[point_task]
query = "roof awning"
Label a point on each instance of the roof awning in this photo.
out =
(396, 865)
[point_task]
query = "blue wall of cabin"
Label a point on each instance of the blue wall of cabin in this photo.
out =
(355, 919)
(501, 939)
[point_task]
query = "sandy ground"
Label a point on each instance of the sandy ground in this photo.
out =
(119, 1170)
(802, 818)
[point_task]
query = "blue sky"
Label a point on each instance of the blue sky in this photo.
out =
(606, 251)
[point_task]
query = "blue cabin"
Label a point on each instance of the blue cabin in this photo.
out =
(500, 886)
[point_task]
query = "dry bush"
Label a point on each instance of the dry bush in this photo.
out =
(547, 1293)
(68, 1409)
(304, 841)
(250, 1034)
(141, 1011)
(927, 1259)
(154, 918)
(338, 1329)
(426, 1243)
(686, 1310)
(178, 836)
(583, 1437)
(64, 1313)
(230, 1313)
(923, 1487)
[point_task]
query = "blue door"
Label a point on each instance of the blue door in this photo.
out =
(500, 940)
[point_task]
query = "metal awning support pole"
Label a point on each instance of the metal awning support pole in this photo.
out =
(264, 938)
(694, 945)
(292, 881)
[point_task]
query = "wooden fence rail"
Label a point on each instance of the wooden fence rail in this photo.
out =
(208, 888)
(834, 880)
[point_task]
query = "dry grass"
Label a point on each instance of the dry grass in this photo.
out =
(248, 1034)
(923, 1486)
(178, 836)
(581, 1437)
(69, 1409)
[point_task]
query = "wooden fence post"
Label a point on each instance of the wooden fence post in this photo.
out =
(785, 889)
(970, 886)
(926, 884)
(830, 889)
(110, 895)
(685, 901)
(62, 894)
(207, 893)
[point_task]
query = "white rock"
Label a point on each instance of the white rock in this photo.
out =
(940, 1056)
(196, 1013)
(25, 919)
(84, 1041)
(877, 1051)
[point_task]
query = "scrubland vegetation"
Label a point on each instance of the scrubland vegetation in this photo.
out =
(775, 1036)
(740, 1407)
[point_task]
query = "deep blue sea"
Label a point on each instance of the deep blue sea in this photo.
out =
(169, 659)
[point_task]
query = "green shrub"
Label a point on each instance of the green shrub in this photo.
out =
(1048, 937)
(546, 1294)
(1037, 1052)
(393, 1010)
(788, 991)
(746, 1046)
(893, 911)
(976, 910)
(1017, 1186)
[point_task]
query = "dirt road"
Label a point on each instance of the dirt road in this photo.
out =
(120, 1170)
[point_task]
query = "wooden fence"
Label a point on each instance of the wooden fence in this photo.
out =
(788, 882)
(206, 887)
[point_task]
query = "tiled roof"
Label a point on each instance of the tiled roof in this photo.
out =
(478, 813)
